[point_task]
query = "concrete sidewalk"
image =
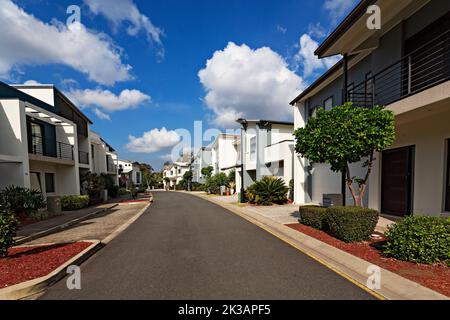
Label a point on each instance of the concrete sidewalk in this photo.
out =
(284, 214)
(67, 218)
(393, 286)
(97, 226)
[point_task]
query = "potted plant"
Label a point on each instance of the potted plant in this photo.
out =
(232, 187)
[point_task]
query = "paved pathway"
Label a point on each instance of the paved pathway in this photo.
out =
(184, 247)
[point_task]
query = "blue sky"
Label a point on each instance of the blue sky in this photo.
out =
(144, 74)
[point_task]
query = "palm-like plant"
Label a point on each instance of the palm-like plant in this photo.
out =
(267, 191)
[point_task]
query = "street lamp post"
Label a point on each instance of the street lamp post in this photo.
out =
(243, 124)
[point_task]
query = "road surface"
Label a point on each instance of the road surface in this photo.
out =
(185, 247)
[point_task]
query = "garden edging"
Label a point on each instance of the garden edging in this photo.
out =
(393, 286)
(31, 287)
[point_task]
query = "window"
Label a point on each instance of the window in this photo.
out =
(328, 103)
(35, 180)
(252, 148)
(138, 177)
(49, 182)
(92, 151)
(313, 111)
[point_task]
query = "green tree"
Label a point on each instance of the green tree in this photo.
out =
(214, 182)
(344, 135)
(187, 180)
(207, 171)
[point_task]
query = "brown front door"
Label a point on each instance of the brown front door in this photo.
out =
(396, 181)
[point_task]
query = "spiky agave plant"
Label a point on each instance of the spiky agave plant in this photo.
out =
(270, 190)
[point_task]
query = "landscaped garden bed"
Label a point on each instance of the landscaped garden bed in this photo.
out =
(435, 277)
(28, 263)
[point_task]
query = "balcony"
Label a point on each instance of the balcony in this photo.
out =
(425, 67)
(50, 148)
(278, 151)
(83, 157)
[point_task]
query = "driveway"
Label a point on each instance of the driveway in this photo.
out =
(185, 247)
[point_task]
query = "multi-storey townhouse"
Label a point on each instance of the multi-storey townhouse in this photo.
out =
(103, 157)
(48, 143)
(266, 149)
(42, 134)
(201, 160)
(404, 66)
(224, 153)
(175, 172)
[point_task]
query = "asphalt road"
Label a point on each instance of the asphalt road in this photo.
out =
(185, 247)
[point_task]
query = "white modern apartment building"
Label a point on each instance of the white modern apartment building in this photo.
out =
(404, 66)
(266, 149)
(201, 160)
(47, 144)
(224, 153)
(41, 133)
(175, 173)
(103, 157)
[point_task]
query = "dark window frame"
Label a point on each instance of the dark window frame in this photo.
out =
(327, 99)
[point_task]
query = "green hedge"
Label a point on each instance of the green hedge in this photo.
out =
(8, 227)
(420, 239)
(352, 224)
(349, 224)
(313, 216)
(70, 203)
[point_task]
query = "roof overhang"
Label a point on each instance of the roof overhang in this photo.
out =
(353, 35)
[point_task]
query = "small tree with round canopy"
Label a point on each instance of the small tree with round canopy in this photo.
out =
(344, 135)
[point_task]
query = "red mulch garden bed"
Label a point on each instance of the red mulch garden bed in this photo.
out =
(435, 277)
(28, 263)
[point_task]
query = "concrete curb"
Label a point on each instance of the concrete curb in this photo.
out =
(354, 269)
(125, 226)
(63, 226)
(35, 286)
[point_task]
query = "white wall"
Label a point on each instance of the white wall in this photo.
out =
(429, 135)
(43, 93)
(300, 163)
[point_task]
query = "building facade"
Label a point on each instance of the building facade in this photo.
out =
(266, 149)
(405, 67)
(201, 160)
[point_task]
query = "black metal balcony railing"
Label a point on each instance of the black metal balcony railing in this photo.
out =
(425, 67)
(49, 148)
(83, 157)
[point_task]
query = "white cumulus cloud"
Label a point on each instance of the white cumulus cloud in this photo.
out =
(101, 115)
(252, 83)
(126, 12)
(107, 100)
(26, 40)
(153, 141)
(308, 61)
(338, 8)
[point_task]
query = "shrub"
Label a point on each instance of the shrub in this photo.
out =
(351, 224)
(214, 182)
(198, 186)
(291, 190)
(123, 191)
(21, 200)
(267, 191)
(113, 191)
(420, 239)
(8, 226)
(70, 203)
(314, 216)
